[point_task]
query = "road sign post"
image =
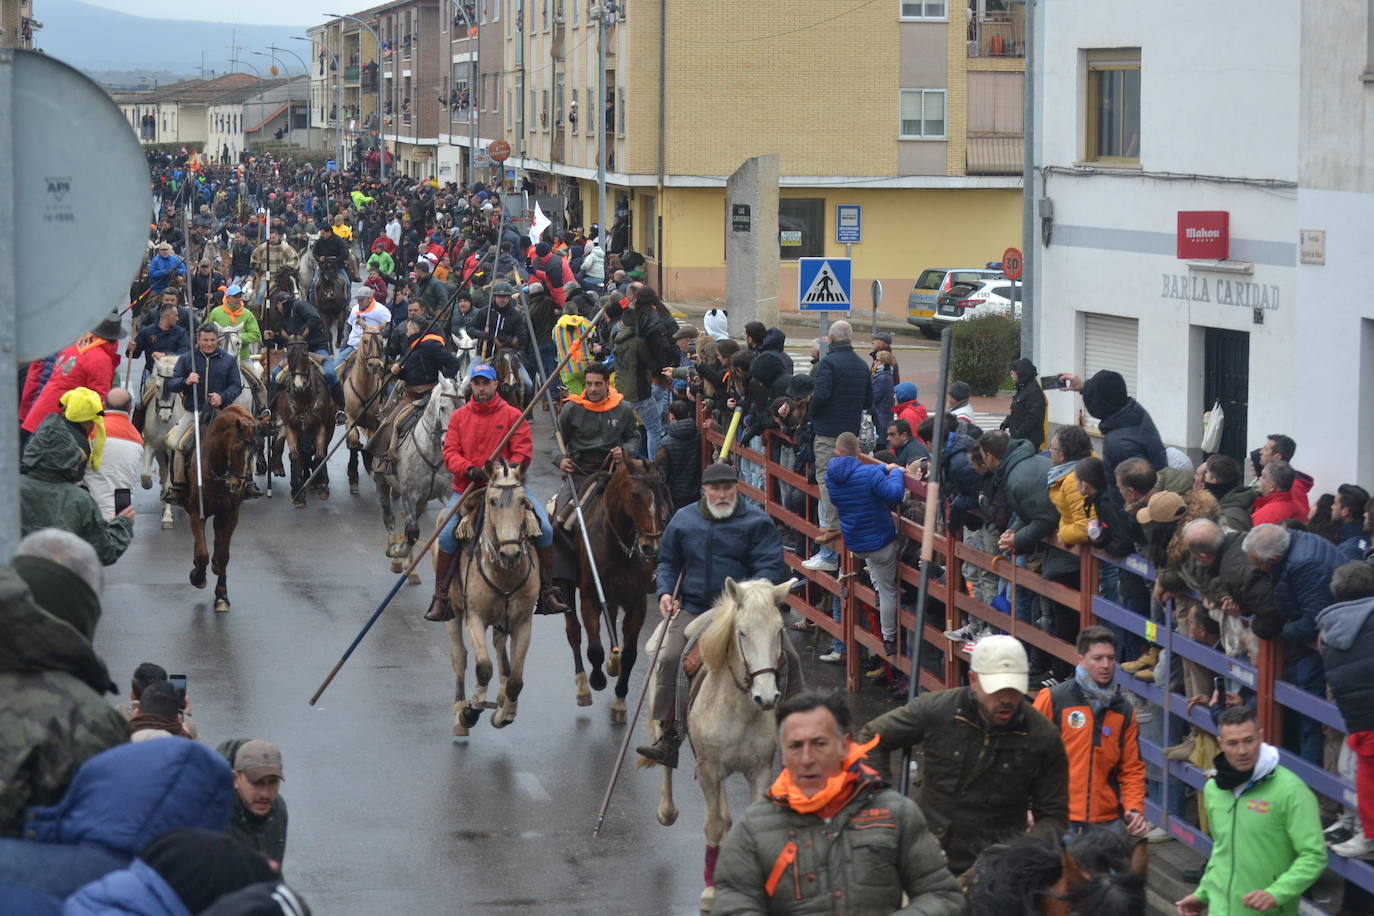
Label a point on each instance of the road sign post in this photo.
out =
(1011, 264)
(825, 285)
(848, 224)
(876, 290)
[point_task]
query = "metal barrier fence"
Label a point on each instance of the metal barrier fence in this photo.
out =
(858, 614)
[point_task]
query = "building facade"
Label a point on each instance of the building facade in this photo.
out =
(1167, 211)
(17, 25)
(472, 92)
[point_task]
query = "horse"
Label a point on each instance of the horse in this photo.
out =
(306, 410)
(1098, 872)
(495, 587)
(362, 381)
(331, 297)
(624, 527)
(418, 475)
(163, 409)
(253, 397)
(466, 351)
(507, 364)
(226, 466)
(729, 716)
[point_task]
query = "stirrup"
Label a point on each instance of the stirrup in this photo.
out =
(439, 610)
(551, 601)
(665, 750)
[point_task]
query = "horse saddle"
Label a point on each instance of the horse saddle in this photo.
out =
(342, 369)
(409, 415)
(563, 511)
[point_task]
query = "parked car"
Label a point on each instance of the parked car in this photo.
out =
(988, 297)
(932, 284)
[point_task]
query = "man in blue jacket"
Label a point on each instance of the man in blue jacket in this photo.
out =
(163, 266)
(719, 537)
(206, 378)
(842, 392)
(864, 496)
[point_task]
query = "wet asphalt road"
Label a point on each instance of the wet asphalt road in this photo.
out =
(388, 811)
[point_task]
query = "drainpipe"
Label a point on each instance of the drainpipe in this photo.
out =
(662, 131)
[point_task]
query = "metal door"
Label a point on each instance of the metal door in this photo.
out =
(1226, 378)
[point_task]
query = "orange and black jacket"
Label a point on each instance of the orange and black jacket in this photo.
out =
(1106, 774)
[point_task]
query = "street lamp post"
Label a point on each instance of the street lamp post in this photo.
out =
(474, 39)
(304, 70)
(381, 122)
(262, 88)
(338, 94)
(289, 100)
(605, 17)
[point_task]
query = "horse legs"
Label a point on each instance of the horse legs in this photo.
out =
(667, 811)
(395, 543)
(202, 554)
(293, 447)
(146, 478)
(322, 437)
(477, 633)
(514, 673)
(353, 454)
(717, 825)
(458, 658)
(596, 655)
(634, 621)
(574, 631)
(410, 515)
(224, 533)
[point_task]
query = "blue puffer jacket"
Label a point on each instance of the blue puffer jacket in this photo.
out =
(863, 495)
(842, 392)
(1348, 655)
(743, 546)
(1302, 586)
(961, 481)
(134, 891)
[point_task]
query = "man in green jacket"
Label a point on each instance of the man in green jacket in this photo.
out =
(53, 465)
(986, 756)
(51, 680)
(830, 836)
(1267, 845)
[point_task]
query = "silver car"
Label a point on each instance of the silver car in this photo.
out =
(933, 283)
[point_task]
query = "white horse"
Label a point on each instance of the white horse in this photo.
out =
(231, 342)
(418, 474)
(162, 410)
(730, 720)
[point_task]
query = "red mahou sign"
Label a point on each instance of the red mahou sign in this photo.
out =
(1204, 234)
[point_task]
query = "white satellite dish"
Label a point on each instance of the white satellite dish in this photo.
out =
(80, 183)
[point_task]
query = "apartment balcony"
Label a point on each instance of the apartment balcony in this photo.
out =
(352, 73)
(994, 153)
(998, 32)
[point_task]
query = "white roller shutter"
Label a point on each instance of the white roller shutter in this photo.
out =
(1110, 342)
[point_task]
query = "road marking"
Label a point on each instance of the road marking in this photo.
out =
(533, 788)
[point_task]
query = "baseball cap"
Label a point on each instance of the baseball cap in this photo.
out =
(1000, 662)
(365, 292)
(686, 332)
(1165, 506)
(720, 472)
(258, 758)
(234, 290)
(482, 370)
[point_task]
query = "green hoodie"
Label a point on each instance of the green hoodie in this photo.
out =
(49, 495)
(1266, 836)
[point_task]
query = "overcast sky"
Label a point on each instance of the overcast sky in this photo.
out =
(248, 12)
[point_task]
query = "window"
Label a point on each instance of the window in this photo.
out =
(917, 9)
(544, 13)
(544, 114)
(572, 109)
(496, 10)
(620, 106)
(1113, 102)
(801, 227)
(558, 96)
(922, 114)
(650, 226)
(495, 92)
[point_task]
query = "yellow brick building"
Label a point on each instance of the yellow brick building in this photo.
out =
(909, 108)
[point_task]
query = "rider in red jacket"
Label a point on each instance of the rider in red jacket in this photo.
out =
(88, 363)
(473, 433)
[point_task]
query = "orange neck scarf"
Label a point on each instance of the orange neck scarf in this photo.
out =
(232, 312)
(611, 400)
(836, 792)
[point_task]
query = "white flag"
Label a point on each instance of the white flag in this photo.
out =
(539, 223)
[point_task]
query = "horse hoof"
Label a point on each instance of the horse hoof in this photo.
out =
(352, 489)
(146, 481)
(469, 716)
(222, 605)
(708, 898)
(613, 663)
(298, 504)
(413, 578)
(459, 729)
(396, 565)
(618, 716)
(166, 524)
(598, 680)
(503, 718)
(322, 493)
(584, 699)
(667, 818)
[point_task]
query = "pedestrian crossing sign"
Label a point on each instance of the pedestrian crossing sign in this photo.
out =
(824, 285)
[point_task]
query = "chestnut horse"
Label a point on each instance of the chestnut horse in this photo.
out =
(507, 364)
(1097, 873)
(624, 526)
(306, 410)
(226, 466)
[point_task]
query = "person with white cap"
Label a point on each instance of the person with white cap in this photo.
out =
(987, 757)
(367, 314)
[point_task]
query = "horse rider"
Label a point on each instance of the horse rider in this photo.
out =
(501, 324)
(328, 245)
(233, 313)
(206, 281)
(473, 432)
(367, 314)
(278, 255)
(207, 379)
(717, 537)
(163, 337)
(598, 427)
(298, 318)
(426, 357)
(398, 341)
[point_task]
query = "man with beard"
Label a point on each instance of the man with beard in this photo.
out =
(718, 537)
(987, 756)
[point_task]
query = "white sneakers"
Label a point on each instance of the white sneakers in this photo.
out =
(819, 561)
(1357, 847)
(968, 632)
(832, 657)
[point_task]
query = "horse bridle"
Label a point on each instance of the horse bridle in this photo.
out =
(635, 551)
(750, 675)
(491, 544)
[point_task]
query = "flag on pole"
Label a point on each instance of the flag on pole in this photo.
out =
(539, 223)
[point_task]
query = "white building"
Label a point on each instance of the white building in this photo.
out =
(1149, 111)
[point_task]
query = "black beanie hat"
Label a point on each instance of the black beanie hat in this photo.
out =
(204, 865)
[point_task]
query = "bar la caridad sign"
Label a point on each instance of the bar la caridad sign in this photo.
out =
(1221, 290)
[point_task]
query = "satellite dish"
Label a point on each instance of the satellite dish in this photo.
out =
(81, 191)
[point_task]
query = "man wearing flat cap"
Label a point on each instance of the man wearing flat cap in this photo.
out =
(259, 817)
(719, 537)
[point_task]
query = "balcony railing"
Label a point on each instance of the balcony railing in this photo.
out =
(998, 33)
(351, 73)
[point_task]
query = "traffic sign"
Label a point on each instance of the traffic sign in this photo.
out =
(1011, 263)
(824, 284)
(498, 150)
(848, 224)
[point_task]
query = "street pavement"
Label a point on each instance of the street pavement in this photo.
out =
(388, 811)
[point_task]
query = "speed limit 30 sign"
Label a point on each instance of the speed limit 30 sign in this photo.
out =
(1011, 263)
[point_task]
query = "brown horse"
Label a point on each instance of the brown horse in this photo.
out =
(362, 380)
(226, 467)
(1096, 873)
(507, 364)
(624, 527)
(306, 410)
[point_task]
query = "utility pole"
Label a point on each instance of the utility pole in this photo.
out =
(338, 94)
(474, 38)
(1028, 200)
(605, 16)
(304, 69)
(381, 120)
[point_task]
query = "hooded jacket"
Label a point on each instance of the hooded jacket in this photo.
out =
(591, 429)
(744, 545)
(863, 495)
(1102, 743)
(88, 363)
(680, 451)
(1236, 506)
(51, 686)
(1126, 427)
(1026, 418)
(53, 465)
(475, 429)
(875, 848)
(905, 405)
(1348, 657)
(842, 392)
(134, 891)
(977, 780)
(1279, 507)
(1266, 835)
(1021, 474)
(1302, 590)
(771, 361)
(161, 268)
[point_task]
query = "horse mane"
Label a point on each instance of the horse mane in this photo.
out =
(1009, 879)
(1016, 877)
(728, 614)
